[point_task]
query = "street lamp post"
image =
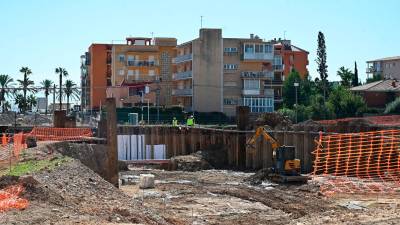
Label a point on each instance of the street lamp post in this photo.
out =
(296, 84)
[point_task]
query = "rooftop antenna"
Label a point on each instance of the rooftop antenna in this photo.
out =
(284, 35)
(201, 21)
(152, 37)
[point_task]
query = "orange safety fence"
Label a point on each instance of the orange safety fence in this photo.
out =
(19, 143)
(9, 198)
(367, 162)
(60, 134)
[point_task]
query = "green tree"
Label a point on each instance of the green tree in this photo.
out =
(25, 84)
(355, 81)
(321, 62)
(5, 83)
(344, 103)
(289, 91)
(71, 91)
(62, 73)
(31, 102)
(346, 75)
(319, 109)
(375, 77)
(6, 106)
(47, 84)
(393, 107)
(20, 101)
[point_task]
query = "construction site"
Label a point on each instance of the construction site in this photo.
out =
(263, 171)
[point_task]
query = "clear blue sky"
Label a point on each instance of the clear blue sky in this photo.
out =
(45, 34)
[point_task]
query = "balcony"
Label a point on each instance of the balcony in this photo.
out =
(257, 74)
(182, 92)
(182, 75)
(142, 63)
(258, 56)
(251, 91)
(182, 58)
(278, 67)
(273, 82)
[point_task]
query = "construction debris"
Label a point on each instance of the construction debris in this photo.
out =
(193, 162)
(146, 181)
(274, 120)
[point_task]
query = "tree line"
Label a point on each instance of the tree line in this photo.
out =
(321, 99)
(23, 92)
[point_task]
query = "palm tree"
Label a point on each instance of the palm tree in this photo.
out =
(31, 101)
(5, 83)
(20, 101)
(63, 73)
(6, 106)
(71, 91)
(47, 87)
(25, 83)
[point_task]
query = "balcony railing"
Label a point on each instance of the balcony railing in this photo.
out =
(142, 63)
(278, 67)
(251, 91)
(273, 82)
(182, 58)
(257, 74)
(258, 56)
(182, 92)
(182, 75)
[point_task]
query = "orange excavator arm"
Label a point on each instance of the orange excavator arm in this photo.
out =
(260, 131)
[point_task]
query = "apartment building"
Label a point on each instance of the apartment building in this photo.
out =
(140, 67)
(388, 68)
(213, 73)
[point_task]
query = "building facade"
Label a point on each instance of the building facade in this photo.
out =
(387, 68)
(213, 73)
(208, 74)
(135, 72)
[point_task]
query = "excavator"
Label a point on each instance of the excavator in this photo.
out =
(286, 168)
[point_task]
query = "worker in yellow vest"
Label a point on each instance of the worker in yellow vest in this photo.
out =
(174, 122)
(190, 121)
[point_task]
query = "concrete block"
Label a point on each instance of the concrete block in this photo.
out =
(146, 181)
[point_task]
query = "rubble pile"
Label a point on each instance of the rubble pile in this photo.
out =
(274, 120)
(193, 162)
(8, 118)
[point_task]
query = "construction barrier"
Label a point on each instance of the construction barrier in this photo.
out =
(9, 198)
(366, 162)
(59, 134)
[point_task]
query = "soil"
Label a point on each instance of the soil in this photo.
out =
(223, 197)
(71, 193)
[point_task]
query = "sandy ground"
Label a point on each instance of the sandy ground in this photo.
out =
(221, 197)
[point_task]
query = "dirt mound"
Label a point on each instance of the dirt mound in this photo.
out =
(193, 162)
(274, 120)
(258, 177)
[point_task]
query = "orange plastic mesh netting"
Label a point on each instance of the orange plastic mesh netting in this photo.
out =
(366, 162)
(19, 143)
(60, 134)
(9, 198)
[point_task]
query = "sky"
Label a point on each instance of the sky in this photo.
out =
(45, 34)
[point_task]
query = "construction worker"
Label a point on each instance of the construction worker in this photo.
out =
(174, 122)
(190, 121)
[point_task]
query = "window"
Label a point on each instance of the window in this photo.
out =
(130, 72)
(230, 49)
(121, 58)
(259, 48)
(133, 91)
(230, 101)
(251, 84)
(259, 104)
(249, 48)
(230, 66)
(277, 60)
(121, 72)
(268, 48)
